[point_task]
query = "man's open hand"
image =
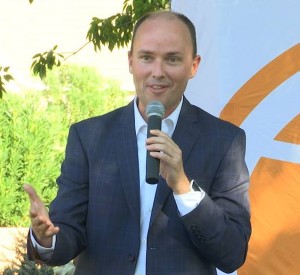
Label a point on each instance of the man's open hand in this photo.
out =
(41, 224)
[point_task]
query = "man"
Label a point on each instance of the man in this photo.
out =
(196, 219)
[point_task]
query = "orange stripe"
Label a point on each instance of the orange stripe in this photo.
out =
(291, 132)
(261, 84)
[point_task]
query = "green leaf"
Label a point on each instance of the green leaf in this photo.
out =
(8, 77)
(37, 55)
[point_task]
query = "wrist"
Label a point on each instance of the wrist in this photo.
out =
(44, 242)
(182, 188)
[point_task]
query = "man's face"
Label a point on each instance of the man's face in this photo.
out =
(162, 62)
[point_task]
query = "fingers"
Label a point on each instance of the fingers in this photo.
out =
(44, 233)
(162, 146)
(45, 229)
(41, 224)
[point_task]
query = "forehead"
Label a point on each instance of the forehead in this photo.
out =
(162, 30)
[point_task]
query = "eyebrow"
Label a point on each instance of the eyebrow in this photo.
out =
(174, 53)
(144, 52)
(151, 52)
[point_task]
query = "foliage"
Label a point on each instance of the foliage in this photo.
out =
(4, 78)
(22, 266)
(114, 31)
(46, 61)
(33, 132)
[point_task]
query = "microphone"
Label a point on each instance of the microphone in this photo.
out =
(154, 112)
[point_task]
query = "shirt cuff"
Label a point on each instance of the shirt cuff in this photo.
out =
(189, 201)
(44, 252)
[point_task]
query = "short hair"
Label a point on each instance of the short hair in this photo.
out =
(170, 14)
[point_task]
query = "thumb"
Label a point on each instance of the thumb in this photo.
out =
(31, 192)
(37, 207)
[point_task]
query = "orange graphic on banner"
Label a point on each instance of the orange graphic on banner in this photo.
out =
(291, 132)
(275, 209)
(261, 84)
(275, 185)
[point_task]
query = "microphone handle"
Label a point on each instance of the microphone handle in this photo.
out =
(152, 164)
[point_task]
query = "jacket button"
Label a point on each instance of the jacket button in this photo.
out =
(201, 238)
(131, 258)
(194, 227)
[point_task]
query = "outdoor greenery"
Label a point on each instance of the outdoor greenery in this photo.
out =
(5, 77)
(21, 265)
(34, 128)
(34, 125)
(112, 32)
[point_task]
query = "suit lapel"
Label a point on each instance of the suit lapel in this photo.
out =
(127, 157)
(187, 129)
(185, 135)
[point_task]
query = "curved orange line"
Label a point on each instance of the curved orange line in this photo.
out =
(291, 132)
(261, 84)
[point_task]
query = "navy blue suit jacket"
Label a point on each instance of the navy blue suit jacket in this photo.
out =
(97, 206)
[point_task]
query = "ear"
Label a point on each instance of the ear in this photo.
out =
(130, 61)
(195, 65)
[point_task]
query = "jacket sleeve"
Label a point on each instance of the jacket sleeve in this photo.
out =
(219, 226)
(69, 209)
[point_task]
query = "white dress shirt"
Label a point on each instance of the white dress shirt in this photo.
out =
(185, 202)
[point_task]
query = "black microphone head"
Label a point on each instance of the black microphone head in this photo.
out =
(155, 108)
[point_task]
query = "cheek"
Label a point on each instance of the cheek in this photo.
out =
(139, 72)
(181, 77)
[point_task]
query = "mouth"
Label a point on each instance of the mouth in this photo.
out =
(157, 88)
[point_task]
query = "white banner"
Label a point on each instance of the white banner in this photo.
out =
(249, 75)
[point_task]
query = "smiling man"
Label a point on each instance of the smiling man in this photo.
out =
(194, 220)
(162, 60)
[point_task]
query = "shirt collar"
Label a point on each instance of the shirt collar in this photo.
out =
(168, 124)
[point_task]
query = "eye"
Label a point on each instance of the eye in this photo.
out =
(173, 60)
(146, 58)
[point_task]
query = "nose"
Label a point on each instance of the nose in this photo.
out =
(158, 70)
